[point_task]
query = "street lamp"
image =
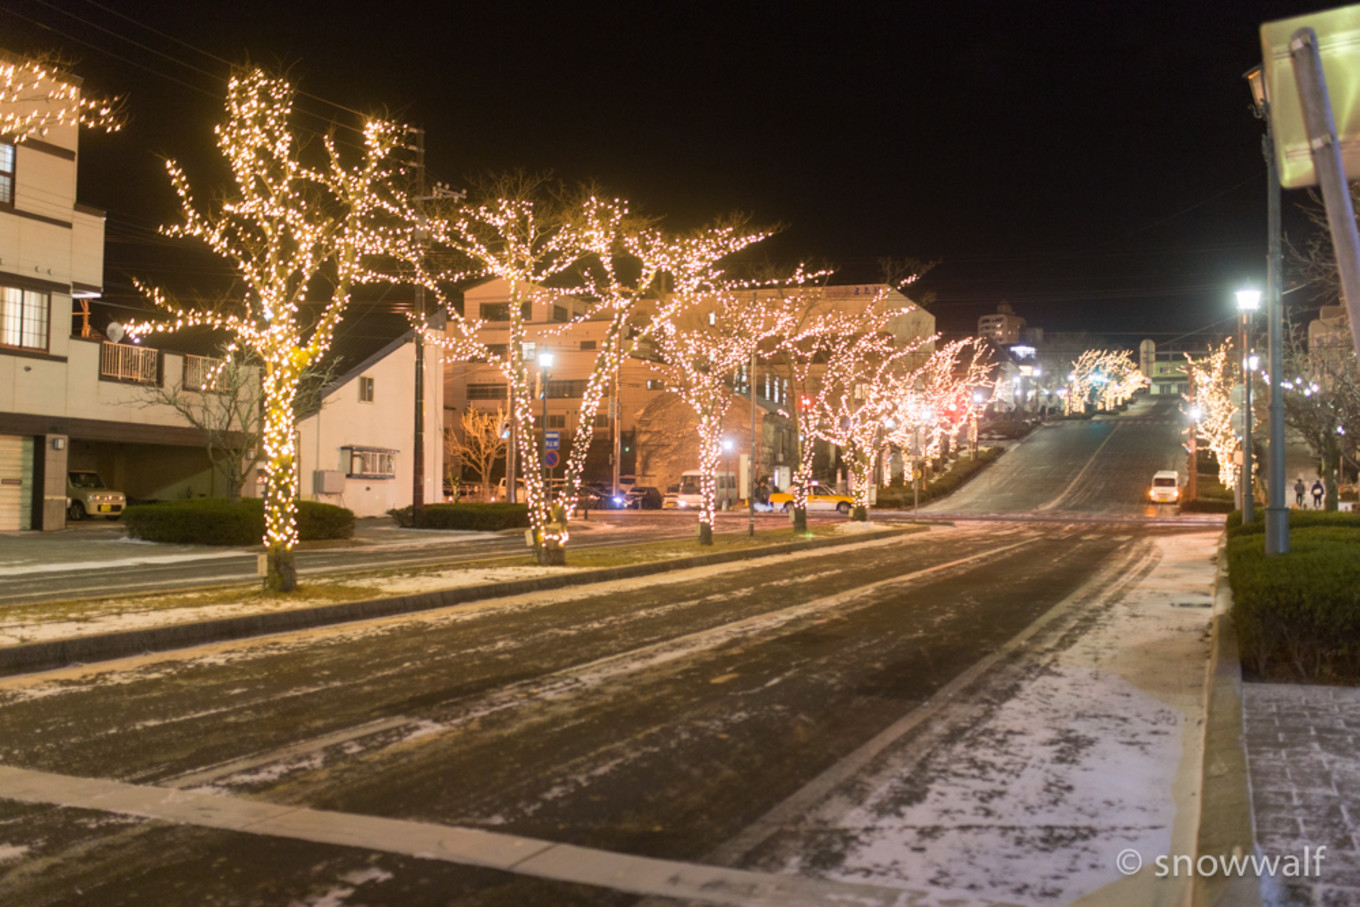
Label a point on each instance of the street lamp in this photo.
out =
(1248, 301)
(1277, 514)
(727, 446)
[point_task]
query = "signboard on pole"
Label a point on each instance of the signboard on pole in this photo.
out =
(552, 441)
(550, 459)
(1338, 32)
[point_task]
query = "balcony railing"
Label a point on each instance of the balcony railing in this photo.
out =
(125, 362)
(200, 372)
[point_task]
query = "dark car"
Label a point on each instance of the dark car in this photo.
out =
(645, 497)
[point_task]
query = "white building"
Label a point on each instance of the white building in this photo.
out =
(68, 399)
(1003, 328)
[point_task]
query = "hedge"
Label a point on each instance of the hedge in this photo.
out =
(960, 471)
(221, 521)
(478, 517)
(1298, 614)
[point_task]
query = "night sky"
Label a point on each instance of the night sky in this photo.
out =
(1097, 165)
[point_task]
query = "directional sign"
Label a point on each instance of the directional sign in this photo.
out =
(552, 441)
(550, 459)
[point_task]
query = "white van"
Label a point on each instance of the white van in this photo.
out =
(499, 492)
(684, 495)
(1166, 487)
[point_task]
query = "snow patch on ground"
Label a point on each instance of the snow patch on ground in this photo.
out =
(1034, 796)
(34, 624)
(11, 852)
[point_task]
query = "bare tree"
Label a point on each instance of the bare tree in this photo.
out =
(478, 443)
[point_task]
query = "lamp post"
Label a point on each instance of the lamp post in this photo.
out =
(727, 466)
(1192, 474)
(977, 405)
(1248, 301)
(1277, 514)
(545, 361)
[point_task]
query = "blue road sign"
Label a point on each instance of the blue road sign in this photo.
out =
(552, 441)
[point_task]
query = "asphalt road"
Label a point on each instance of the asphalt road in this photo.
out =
(657, 718)
(663, 718)
(1102, 466)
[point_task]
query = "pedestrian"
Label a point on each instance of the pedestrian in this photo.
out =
(1299, 490)
(1318, 491)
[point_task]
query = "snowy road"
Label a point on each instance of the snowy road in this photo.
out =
(991, 709)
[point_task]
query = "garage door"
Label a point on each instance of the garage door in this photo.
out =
(16, 482)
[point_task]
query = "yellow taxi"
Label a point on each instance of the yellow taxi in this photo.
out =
(819, 497)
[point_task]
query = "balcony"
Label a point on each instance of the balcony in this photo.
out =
(200, 372)
(129, 364)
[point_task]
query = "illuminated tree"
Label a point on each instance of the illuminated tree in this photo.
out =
(301, 238)
(818, 328)
(1322, 399)
(709, 328)
(857, 396)
(1102, 378)
(479, 443)
(36, 96)
(521, 231)
(937, 397)
(1212, 378)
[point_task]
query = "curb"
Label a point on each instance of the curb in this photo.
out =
(58, 653)
(1225, 818)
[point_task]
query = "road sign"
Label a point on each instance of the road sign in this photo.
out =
(1337, 31)
(550, 459)
(552, 441)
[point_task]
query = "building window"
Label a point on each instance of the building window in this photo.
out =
(370, 462)
(365, 389)
(560, 314)
(495, 311)
(602, 420)
(486, 391)
(6, 174)
(587, 344)
(566, 390)
(556, 420)
(23, 318)
(655, 384)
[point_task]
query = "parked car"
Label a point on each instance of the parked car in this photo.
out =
(89, 496)
(819, 498)
(645, 497)
(1166, 487)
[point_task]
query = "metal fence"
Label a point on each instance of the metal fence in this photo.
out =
(200, 372)
(125, 362)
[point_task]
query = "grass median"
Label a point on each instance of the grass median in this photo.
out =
(45, 621)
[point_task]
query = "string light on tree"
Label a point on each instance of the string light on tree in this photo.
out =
(301, 237)
(37, 96)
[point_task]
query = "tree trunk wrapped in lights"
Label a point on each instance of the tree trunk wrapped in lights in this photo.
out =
(1111, 377)
(301, 237)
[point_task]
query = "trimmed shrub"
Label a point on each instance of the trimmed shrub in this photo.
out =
(219, 521)
(1298, 519)
(476, 517)
(1005, 429)
(1298, 614)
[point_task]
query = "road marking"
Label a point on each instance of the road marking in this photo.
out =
(455, 844)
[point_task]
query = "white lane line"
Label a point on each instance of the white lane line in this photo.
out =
(1089, 463)
(452, 844)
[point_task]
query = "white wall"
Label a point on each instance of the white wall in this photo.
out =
(387, 422)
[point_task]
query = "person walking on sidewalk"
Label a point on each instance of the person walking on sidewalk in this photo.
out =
(1300, 490)
(1318, 491)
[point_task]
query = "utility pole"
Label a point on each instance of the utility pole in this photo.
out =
(418, 453)
(751, 472)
